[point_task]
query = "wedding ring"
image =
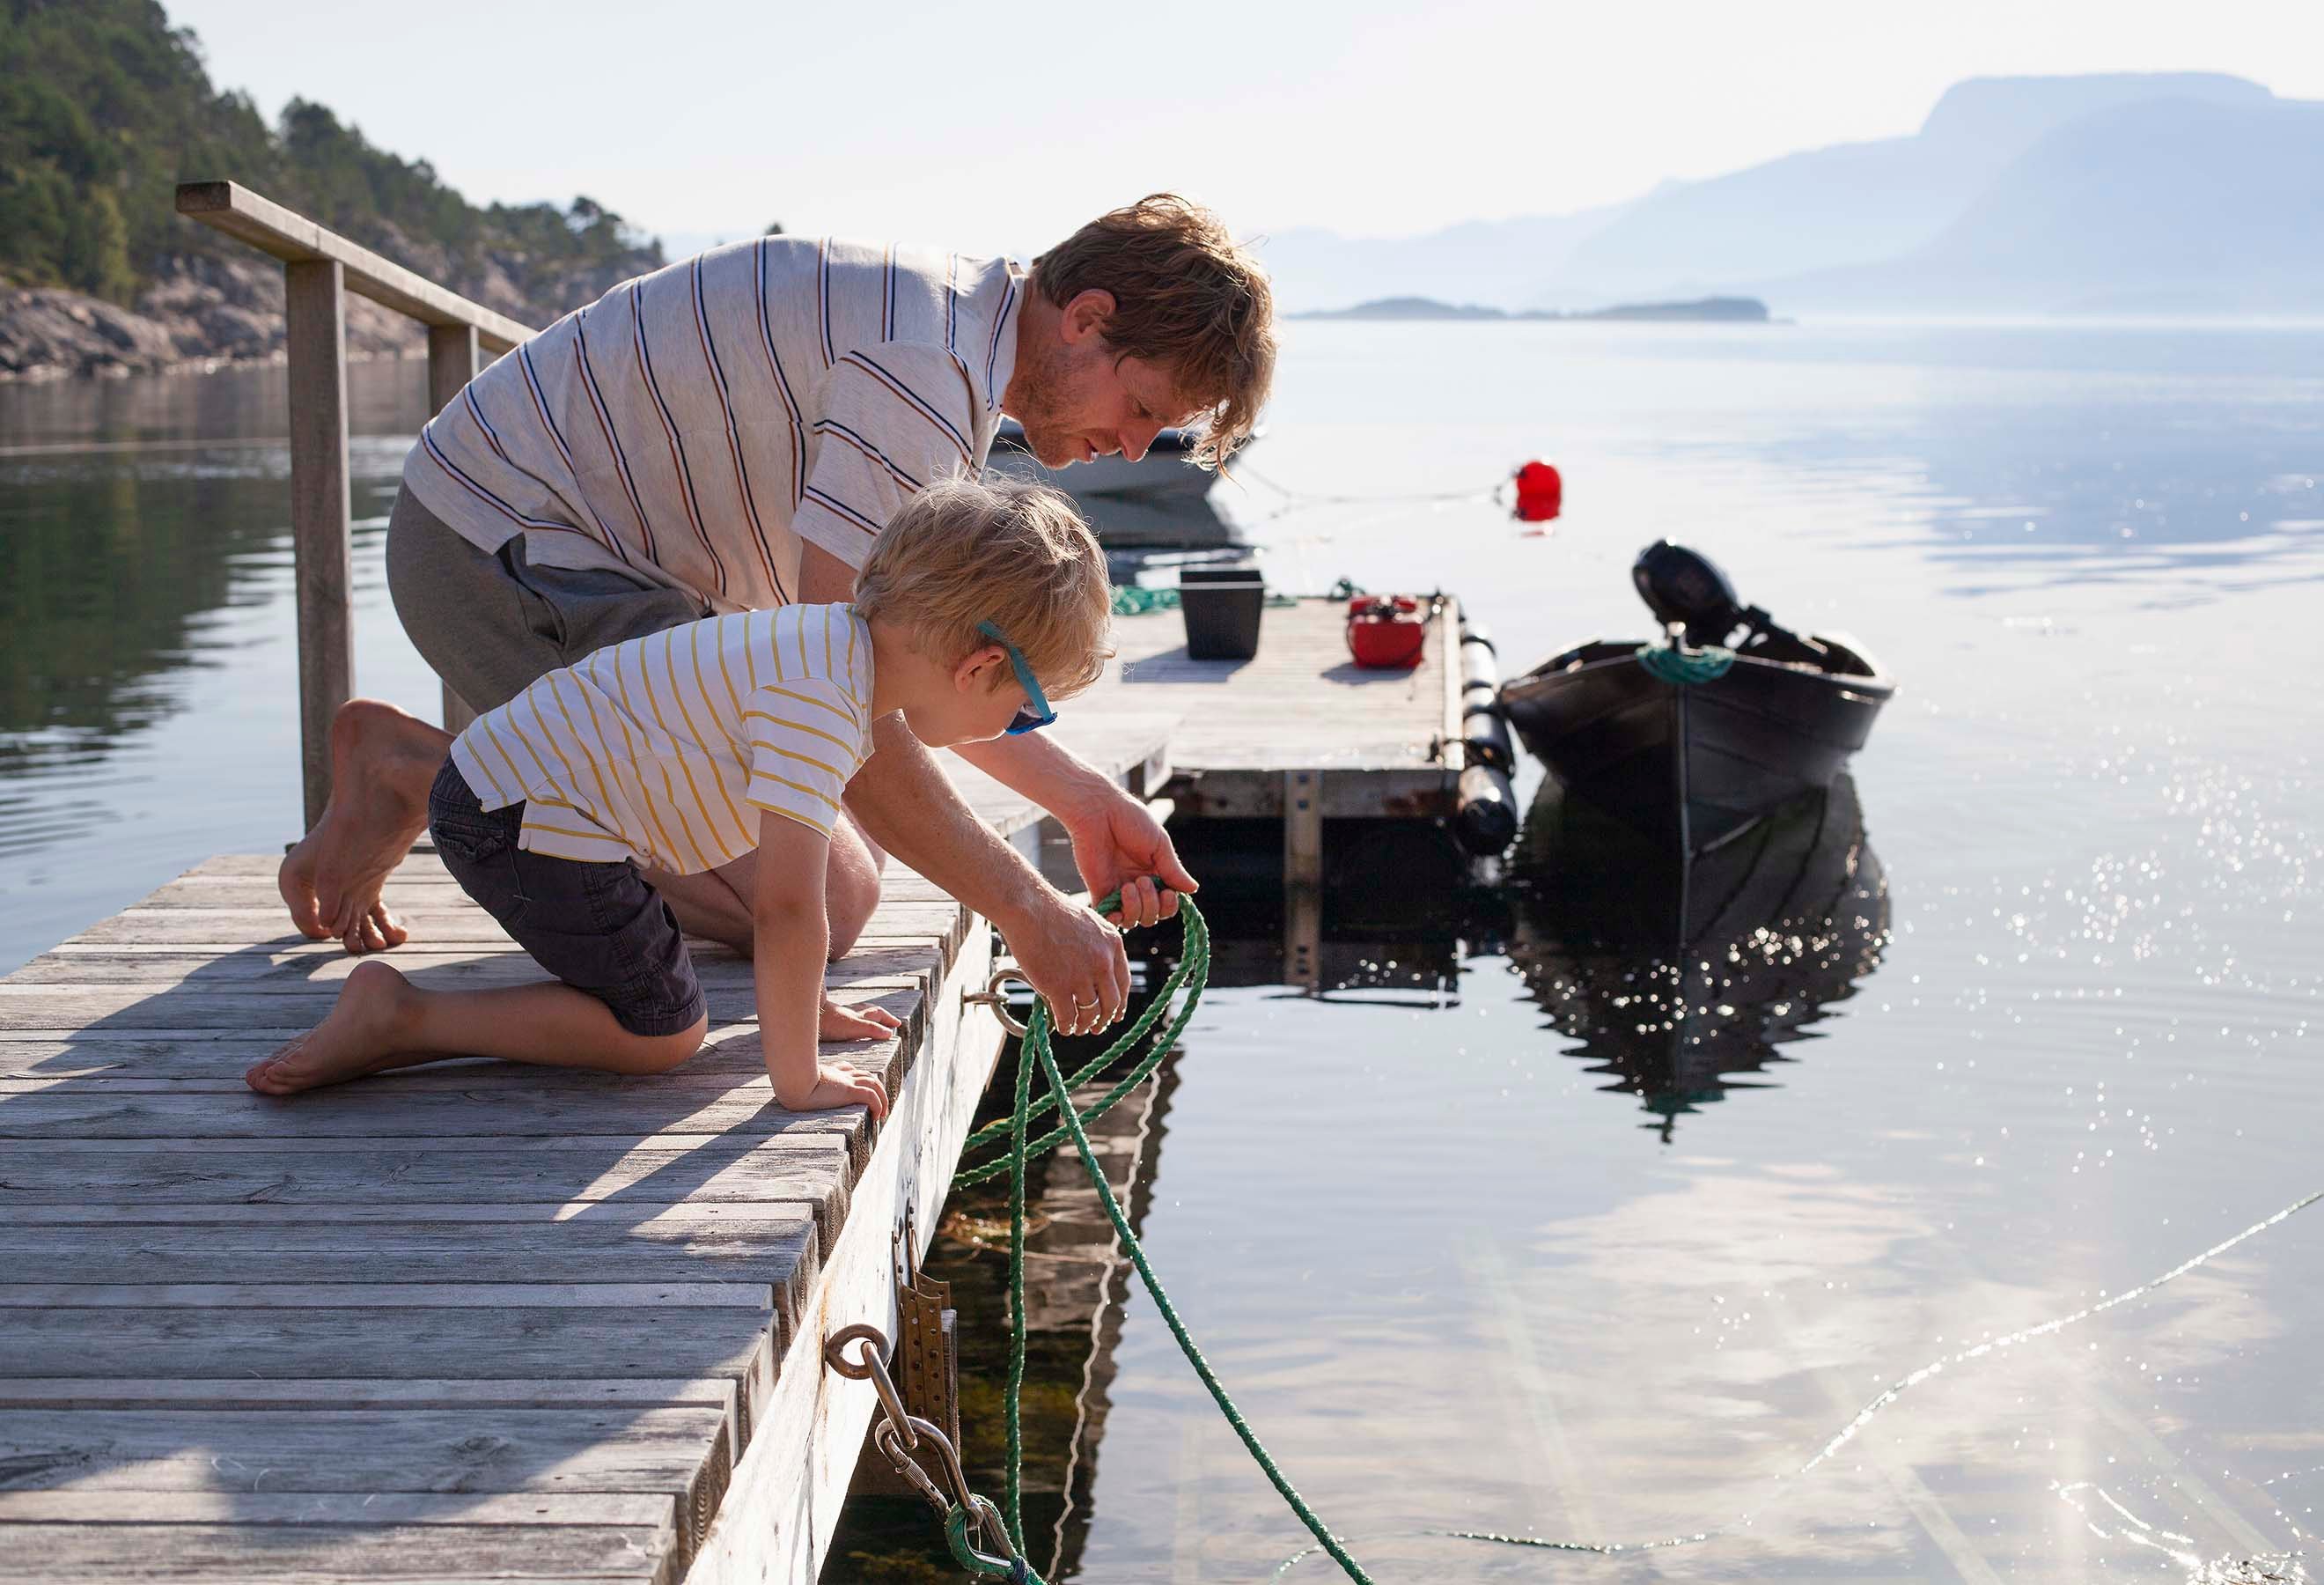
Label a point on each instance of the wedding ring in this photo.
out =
(1079, 1003)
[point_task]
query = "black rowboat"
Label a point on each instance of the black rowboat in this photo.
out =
(1699, 737)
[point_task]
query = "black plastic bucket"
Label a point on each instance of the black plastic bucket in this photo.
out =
(1223, 606)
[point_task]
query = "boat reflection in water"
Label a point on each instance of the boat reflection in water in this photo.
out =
(1676, 978)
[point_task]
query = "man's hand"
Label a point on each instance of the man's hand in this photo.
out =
(1073, 959)
(1118, 842)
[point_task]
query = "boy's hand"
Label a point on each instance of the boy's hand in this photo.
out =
(842, 1084)
(864, 1023)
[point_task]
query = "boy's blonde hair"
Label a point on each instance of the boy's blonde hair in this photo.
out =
(1015, 554)
(1187, 299)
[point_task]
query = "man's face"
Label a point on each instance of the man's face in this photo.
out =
(1079, 400)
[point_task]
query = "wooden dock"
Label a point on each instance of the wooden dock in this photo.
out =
(481, 1320)
(1299, 732)
(1343, 773)
(478, 1318)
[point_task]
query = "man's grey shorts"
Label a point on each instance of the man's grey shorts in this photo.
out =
(491, 624)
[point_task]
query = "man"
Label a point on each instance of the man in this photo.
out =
(731, 432)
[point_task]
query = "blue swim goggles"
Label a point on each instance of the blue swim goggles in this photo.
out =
(1039, 715)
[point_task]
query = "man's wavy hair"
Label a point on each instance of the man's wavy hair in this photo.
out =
(1187, 299)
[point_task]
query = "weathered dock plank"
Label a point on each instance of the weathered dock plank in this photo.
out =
(282, 1249)
(326, 1553)
(634, 1450)
(400, 1343)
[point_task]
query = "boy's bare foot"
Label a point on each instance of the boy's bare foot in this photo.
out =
(382, 763)
(362, 1036)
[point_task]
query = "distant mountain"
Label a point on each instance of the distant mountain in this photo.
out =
(1722, 310)
(2157, 192)
(1498, 262)
(2176, 205)
(1852, 203)
(1404, 307)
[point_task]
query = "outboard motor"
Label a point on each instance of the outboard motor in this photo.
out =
(1683, 589)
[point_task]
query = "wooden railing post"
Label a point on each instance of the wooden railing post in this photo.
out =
(315, 345)
(454, 358)
(321, 267)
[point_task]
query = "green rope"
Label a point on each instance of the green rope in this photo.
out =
(1190, 975)
(1681, 667)
(1193, 962)
(1135, 599)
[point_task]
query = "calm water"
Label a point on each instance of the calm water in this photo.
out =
(1476, 1244)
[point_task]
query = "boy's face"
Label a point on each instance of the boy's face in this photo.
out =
(976, 700)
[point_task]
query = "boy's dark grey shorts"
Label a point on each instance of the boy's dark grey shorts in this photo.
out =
(598, 927)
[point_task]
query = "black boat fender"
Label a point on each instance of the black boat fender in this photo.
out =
(1485, 821)
(1484, 730)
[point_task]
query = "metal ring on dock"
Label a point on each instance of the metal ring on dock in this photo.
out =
(991, 997)
(871, 1367)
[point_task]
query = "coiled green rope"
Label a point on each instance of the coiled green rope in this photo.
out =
(1188, 977)
(1683, 667)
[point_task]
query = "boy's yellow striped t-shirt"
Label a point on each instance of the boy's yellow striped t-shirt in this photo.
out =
(664, 748)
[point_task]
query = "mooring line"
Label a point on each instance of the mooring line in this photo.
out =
(1863, 1416)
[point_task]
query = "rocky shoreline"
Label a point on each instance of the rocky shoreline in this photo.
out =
(202, 311)
(203, 314)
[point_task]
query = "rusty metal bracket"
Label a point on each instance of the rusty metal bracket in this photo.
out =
(927, 1336)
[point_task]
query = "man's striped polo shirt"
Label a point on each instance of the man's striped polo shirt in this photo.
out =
(696, 424)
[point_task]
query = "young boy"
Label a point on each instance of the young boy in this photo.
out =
(978, 604)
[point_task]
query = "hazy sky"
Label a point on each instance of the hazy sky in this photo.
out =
(1000, 129)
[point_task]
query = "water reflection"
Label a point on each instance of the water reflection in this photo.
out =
(144, 627)
(118, 574)
(1679, 979)
(2204, 487)
(1076, 1279)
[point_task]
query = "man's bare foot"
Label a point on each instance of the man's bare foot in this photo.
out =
(362, 1036)
(382, 763)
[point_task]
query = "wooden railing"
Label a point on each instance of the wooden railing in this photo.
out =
(319, 268)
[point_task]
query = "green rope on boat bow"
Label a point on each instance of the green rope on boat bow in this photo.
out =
(1683, 667)
(1187, 978)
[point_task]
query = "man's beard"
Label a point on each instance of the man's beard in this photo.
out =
(1043, 398)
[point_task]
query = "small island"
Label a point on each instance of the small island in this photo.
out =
(1740, 311)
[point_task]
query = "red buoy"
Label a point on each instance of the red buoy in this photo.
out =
(1541, 492)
